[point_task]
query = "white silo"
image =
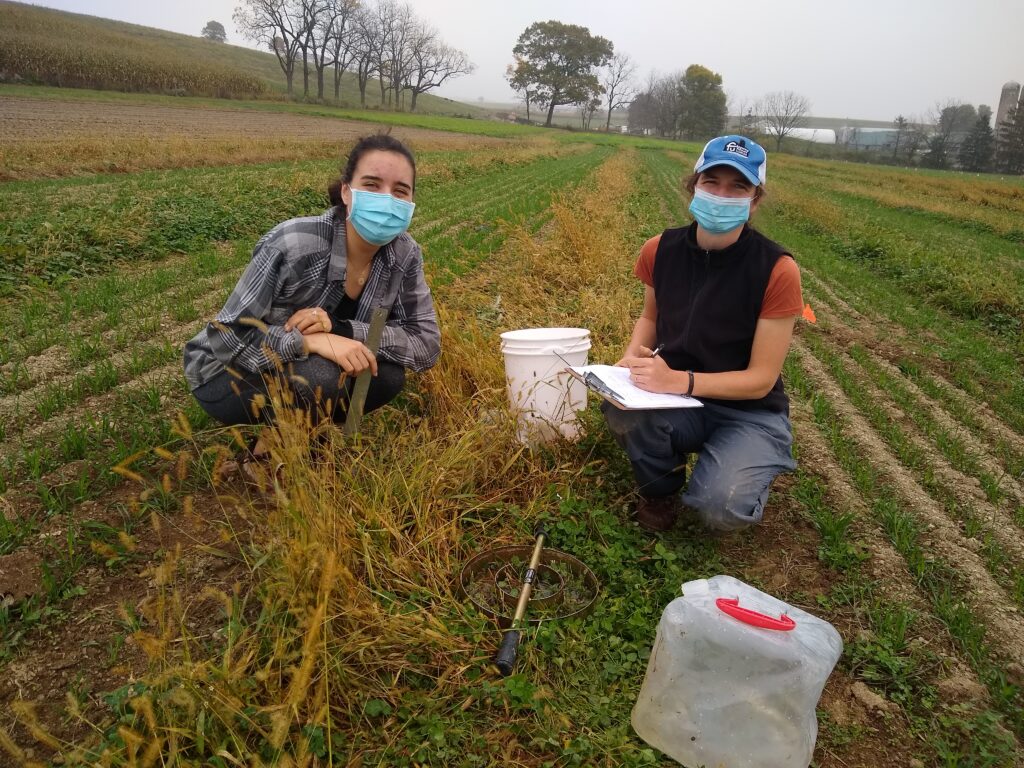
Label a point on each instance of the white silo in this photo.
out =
(1007, 100)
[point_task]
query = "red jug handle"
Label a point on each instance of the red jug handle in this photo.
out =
(731, 606)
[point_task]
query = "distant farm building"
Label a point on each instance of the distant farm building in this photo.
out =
(1008, 99)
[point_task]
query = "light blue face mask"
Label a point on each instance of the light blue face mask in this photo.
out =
(378, 217)
(719, 214)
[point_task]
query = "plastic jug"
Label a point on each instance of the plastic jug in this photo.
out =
(734, 678)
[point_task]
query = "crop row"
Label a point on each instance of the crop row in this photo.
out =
(961, 475)
(964, 214)
(51, 231)
(106, 387)
(450, 228)
(981, 362)
(136, 306)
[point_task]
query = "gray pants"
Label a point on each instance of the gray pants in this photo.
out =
(315, 382)
(739, 453)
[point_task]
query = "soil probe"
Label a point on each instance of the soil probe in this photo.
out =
(506, 657)
(362, 385)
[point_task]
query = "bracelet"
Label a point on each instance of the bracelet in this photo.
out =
(689, 388)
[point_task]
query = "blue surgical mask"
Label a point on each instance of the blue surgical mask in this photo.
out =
(719, 214)
(379, 218)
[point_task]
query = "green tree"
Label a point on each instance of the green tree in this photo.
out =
(214, 31)
(936, 155)
(702, 103)
(1010, 152)
(952, 122)
(978, 146)
(557, 62)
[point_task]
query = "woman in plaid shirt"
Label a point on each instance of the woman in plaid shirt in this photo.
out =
(303, 305)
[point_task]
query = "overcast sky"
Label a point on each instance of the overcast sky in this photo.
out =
(869, 59)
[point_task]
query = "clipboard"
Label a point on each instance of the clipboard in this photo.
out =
(606, 382)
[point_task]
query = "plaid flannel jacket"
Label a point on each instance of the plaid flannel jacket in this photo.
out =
(302, 263)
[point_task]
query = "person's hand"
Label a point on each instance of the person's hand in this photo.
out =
(651, 374)
(629, 354)
(310, 320)
(353, 356)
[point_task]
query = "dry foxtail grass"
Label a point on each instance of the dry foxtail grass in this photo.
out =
(362, 544)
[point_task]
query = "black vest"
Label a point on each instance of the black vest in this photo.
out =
(709, 303)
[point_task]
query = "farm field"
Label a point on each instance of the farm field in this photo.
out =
(164, 613)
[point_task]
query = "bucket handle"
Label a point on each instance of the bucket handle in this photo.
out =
(556, 350)
(731, 606)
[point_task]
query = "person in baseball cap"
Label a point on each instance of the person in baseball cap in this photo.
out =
(717, 213)
(720, 304)
(739, 152)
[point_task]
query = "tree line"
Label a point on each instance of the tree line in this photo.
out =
(557, 64)
(950, 136)
(383, 41)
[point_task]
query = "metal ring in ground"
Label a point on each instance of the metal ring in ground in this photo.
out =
(470, 582)
(541, 595)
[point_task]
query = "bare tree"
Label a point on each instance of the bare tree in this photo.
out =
(309, 11)
(322, 15)
(916, 136)
(642, 109)
(587, 109)
(365, 37)
(617, 82)
(746, 122)
(341, 40)
(433, 62)
(278, 24)
(408, 30)
(665, 95)
(386, 16)
(783, 112)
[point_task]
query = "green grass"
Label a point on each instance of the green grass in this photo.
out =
(82, 226)
(570, 701)
(939, 581)
(982, 363)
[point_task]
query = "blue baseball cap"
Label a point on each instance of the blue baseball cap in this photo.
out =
(745, 155)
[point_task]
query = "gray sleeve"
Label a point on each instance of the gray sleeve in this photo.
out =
(238, 336)
(411, 338)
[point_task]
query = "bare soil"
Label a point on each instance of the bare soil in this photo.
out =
(26, 118)
(53, 138)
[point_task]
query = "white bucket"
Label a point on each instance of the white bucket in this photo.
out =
(545, 399)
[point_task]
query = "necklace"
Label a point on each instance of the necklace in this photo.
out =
(363, 274)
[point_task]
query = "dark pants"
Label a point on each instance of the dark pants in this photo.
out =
(316, 383)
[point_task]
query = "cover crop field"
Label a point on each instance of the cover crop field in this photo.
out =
(154, 611)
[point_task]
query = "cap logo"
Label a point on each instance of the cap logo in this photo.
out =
(732, 146)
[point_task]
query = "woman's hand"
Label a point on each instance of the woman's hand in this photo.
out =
(353, 356)
(652, 374)
(631, 354)
(310, 320)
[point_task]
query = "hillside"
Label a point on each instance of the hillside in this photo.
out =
(47, 47)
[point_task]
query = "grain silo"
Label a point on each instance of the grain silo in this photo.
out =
(1007, 100)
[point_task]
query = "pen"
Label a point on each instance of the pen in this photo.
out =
(657, 350)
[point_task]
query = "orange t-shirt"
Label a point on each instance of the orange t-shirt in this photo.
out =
(782, 297)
